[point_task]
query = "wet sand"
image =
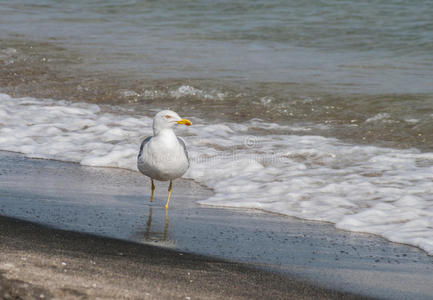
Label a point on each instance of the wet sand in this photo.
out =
(41, 262)
(244, 250)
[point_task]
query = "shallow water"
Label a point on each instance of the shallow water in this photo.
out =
(317, 110)
(363, 70)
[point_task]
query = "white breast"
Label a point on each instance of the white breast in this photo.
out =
(163, 157)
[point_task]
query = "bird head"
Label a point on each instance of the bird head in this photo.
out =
(167, 119)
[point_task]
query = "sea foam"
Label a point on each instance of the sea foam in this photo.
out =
(358, 187)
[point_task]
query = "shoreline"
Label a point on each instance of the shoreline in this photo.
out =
(311, 152)
(113, 204)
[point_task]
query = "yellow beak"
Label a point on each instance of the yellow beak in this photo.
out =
(184, 122)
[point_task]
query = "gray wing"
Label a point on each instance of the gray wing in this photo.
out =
(182, 142)
(145, 141)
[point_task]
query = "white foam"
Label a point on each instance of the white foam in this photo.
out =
(359, 188)
(175, 93)
(75, 132)
(383, 117)
(187, 90)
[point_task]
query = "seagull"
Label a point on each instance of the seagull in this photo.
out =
(163, 156)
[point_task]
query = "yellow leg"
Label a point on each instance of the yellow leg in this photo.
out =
(153, 190)
(170, 188)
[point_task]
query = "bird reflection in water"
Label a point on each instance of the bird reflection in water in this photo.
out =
(150, 235)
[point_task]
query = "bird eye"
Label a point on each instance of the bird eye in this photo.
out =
(167, 116)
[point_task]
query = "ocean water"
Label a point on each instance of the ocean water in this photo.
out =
(321, 110)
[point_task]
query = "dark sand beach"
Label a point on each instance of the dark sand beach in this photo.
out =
(113, 243)
(41, 262)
